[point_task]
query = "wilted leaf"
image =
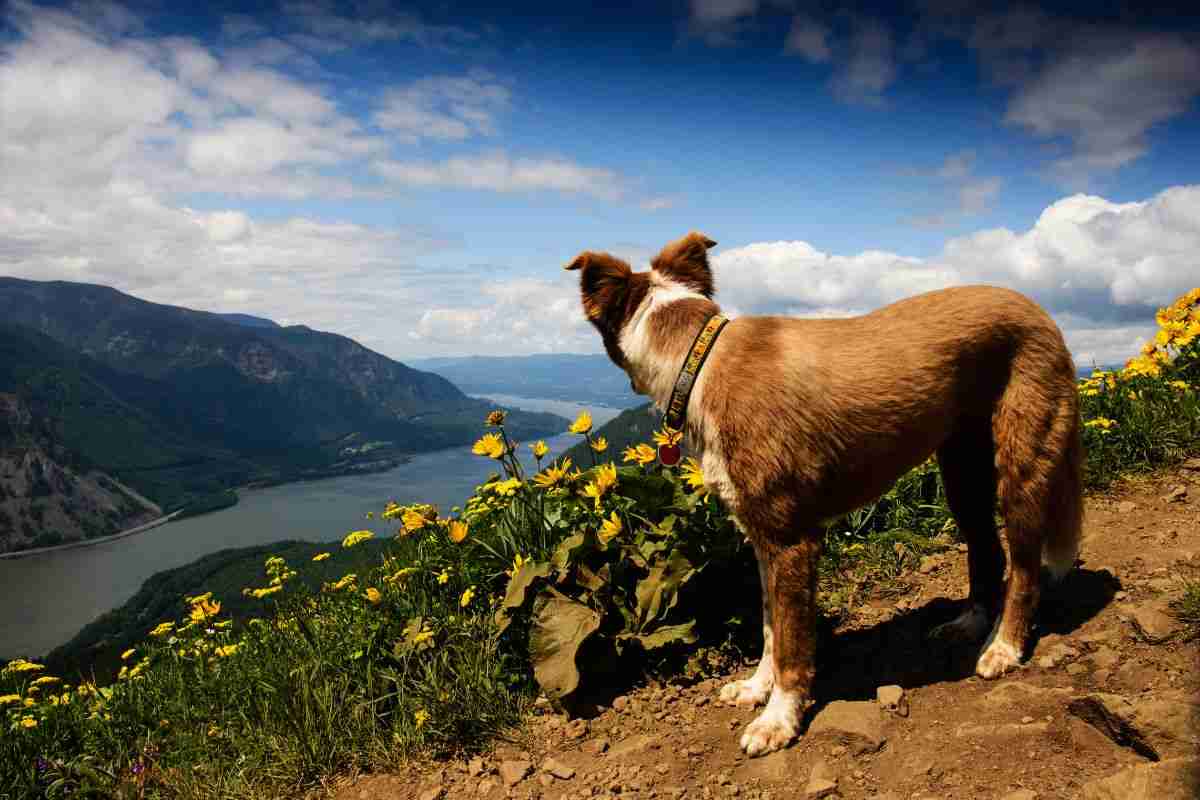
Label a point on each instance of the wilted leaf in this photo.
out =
(518, 585)
(560, 627)
(566, 548)
(669, 634)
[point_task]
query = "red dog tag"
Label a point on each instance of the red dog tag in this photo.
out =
(668, 454)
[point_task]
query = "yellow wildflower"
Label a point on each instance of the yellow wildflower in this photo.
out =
(200, 598)
(1103, 424)
(45, 679)
(9, 699)
(370, 515)
(374, 596)
(552, 475)
(28, 722)
(420, 717)
(691, 473)
(162, 629)
(606, 478)
(320, 556)
(582, 423)
(443, 577)
(507, 488)
(599, 444)
(29, 702)
(457, 530)
(467, 597)
(609, 529)
(227, 650)
(667, 437)
(342, 583)
(355, 537)
(21, 665)
(496, 418)
(643, 454)
(1180, 385)
(539, 449)
(204, 610)
(413, 520)
(399, 575)
(490, 445)
(266, 592)
(518, 562)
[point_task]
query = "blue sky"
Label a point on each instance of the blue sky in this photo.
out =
(414, 176)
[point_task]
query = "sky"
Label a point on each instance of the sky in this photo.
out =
(415, 176)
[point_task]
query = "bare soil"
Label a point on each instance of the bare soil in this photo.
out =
(1106, 706)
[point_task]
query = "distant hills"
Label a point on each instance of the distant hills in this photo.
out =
(579, 378)
(180, 405)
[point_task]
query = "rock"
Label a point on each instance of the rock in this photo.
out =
(1105, 658)
(822, 781)
(928, 565)
(558, 769)
(1017, 693)
(891, 698)
(635, 744)
(1115, 717)
(1155, 727)
(485, 787)
(620, 703)
(1007, 730)
(1175, 779)
(577, 729)
(1056, 654)
(595, 746)
(857, 724)
(1025, 720)
(1076, 668)
(1192, 464)
(433, 793)
(475, 767)
(513, 772)
(1126, 507)
(1021, 794)
(1153, 625)
(1178, 494)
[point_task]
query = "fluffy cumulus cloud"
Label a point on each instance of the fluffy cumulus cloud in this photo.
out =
(1100, 267)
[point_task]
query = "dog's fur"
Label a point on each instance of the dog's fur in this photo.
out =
(800, 420)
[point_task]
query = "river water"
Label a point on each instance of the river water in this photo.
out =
(46, 599)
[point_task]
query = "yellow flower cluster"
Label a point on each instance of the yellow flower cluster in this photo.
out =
(692, 475)
(582, 424)
(341, 583)
(553, 475)
(1103, 424)
(606, 478)
(496, 418)
(539, 449)
(490, 445)
(643, 454)
(21, 665)
(356, 537)
(1178, 327)
(609, 529)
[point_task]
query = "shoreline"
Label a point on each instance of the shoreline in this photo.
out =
(145, 526)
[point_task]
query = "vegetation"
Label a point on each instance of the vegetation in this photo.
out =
(446, 633)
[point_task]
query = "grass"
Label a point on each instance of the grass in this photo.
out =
(442, 638)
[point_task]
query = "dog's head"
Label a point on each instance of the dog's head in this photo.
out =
(612, 292)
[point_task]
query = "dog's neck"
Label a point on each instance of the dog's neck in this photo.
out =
(656, 339)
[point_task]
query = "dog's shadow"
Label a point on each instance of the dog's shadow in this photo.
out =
(852, 664)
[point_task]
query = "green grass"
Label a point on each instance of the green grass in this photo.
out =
(439, 643)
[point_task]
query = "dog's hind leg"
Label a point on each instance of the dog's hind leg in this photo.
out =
(792, 584)
(1036, 428)
(968, 465)
(754, 690)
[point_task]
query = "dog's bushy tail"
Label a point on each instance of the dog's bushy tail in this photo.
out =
(1064, 531)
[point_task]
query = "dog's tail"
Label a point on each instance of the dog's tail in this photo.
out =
(1064, 530)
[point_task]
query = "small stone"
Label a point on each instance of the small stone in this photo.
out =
(595, 746)
(475, 767)
(701, 700)
(485, 787)
(1126, 507)
(662, 769)
(433, 793)
(928, 565)
(1021, 794)
(1178, 494)
(620, 703)
(837, 751)
(1173, 779)
(1026, 719)
(1153, 625)
(1120, 595)
(819, 787)
(857, 724)
(891, 698)
(577, 729)
(558, 769)
(1076, 668)
(513, 772)
(1192, 464)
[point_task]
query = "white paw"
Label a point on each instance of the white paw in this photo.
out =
(753, 691)
(969, 626)
(997, 658)
(775, 727)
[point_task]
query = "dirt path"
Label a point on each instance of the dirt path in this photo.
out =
(1107, 708)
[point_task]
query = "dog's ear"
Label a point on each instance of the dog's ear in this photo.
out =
(686, 261)
(603, 285)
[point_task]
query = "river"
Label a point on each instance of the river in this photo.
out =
(45, 599)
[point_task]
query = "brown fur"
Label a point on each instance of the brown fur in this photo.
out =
(817, 417)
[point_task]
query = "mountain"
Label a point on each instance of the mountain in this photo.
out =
(581, 378)
(180, 405)
(250, 321)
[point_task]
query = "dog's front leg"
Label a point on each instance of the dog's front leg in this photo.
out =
(754, 690)
(791, 581)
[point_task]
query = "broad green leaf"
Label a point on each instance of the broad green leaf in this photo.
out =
(560, 627)
(649, 492)
(518, 585)
(566, 548)
(669, 634)
(658, 591)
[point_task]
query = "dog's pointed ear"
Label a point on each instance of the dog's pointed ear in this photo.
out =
(603, 283)
(686, 261)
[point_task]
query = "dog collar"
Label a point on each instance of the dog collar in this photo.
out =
(669, 454)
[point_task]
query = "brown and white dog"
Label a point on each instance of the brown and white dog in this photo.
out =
(802, 420)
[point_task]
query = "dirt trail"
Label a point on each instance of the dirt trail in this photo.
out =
(1108, 706)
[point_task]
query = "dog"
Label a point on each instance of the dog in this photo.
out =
(798, 421)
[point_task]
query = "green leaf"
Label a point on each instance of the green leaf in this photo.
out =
(566, 548)
(560, 627)
(669, 634)
(518, 585)
(650, 492)
(658, 591)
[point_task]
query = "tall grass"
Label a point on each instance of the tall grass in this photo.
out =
(441, 643)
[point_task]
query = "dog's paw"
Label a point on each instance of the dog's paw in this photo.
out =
(969, 626)
(776, 726)
(753, 691)
(997, 658)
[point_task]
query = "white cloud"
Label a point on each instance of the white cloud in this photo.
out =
(809, 39)
(720, 22)
(871, 67)
(446, 108)
(972, 194)
(498, 172)
(1100, 267)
